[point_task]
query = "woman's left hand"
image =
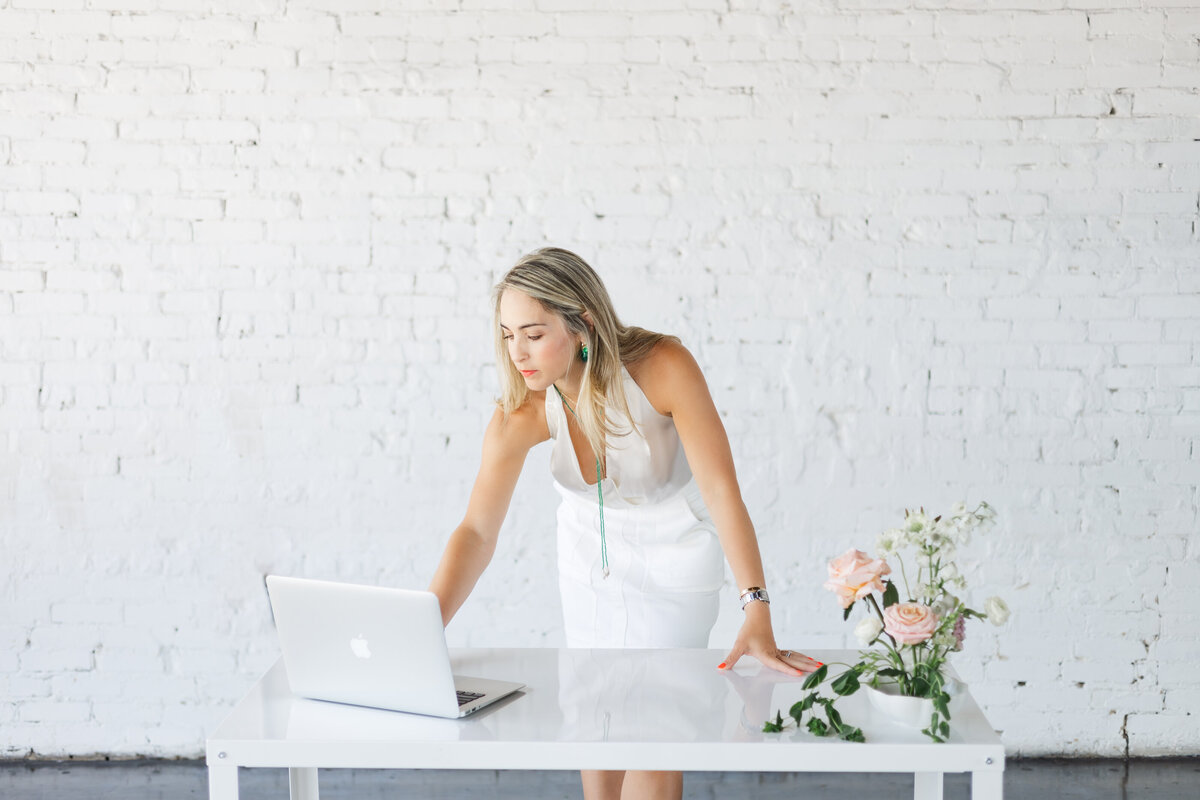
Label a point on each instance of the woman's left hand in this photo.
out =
(757, 639)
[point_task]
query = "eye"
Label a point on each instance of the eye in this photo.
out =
(507, 337)
(535, 338)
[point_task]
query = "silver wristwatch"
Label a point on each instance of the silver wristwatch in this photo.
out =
(755, 593)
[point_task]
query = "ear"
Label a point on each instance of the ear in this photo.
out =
(587, 318)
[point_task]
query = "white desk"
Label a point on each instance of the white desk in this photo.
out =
(596, 709)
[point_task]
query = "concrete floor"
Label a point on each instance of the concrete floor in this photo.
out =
(1024, 779)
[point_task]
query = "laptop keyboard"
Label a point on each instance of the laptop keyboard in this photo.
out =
(466, 697)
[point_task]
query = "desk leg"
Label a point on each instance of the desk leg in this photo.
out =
(928, 786)
(222, 782)
(302, 781)
(987, 785)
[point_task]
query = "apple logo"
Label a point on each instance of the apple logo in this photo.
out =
(359, 646)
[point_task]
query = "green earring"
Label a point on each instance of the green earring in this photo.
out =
(583, 354)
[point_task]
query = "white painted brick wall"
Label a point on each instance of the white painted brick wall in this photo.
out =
(924, 251)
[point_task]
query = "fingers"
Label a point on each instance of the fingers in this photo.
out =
(780, 665)
(789, 662)
(793, 663)
(736, 653)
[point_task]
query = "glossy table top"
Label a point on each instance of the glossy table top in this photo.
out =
(597, 709)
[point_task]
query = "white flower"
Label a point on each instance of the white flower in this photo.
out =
(889, 542)
(959, 529)
(916, 527)
(957, 510)
(996, 610)
(944, 605)
(944, 639)
(867, 629)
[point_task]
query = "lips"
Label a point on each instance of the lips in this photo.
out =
(527, 372)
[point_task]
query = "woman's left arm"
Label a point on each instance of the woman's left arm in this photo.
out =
(675, 386)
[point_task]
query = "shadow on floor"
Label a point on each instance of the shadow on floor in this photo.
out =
(1024, 779)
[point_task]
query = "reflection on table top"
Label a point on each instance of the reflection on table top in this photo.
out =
(670, 708)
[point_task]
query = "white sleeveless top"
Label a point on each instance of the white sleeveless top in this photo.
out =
(641, 470)
(666, 562)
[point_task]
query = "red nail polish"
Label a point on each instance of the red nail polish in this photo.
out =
(721, 665)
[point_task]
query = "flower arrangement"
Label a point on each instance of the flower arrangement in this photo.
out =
(915, 636)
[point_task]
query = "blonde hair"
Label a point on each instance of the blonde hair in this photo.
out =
(566, 286)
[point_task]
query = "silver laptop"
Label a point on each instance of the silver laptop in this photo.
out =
(372, 646)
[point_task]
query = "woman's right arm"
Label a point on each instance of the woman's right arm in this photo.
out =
(471, 545)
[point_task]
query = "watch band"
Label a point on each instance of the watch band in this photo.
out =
(755, 593)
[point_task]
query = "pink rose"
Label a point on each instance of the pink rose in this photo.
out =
(909, 623)
(853, 575)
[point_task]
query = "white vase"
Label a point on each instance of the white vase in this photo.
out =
(911, 711)
(914, 712)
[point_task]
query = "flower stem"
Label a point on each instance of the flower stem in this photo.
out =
(875, 605)
(878, 611)
(904, 574)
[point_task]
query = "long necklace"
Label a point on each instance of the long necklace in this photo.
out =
(599, 486)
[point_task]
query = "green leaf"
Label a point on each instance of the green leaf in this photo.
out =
(851, 734)
(945, 729)
(940, 702)
(932, 735)
(835, 719)
(846, 612)
(846, 683)
(815, 726)
(890, 672)
(797, 710)
(891, 595)
(815, 678)
(774, 727)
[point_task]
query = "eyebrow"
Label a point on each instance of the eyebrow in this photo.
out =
(526, 325)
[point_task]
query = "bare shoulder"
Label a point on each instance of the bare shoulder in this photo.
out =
(520, 430)
(668, 375)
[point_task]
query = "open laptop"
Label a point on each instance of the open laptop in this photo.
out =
(372, 646)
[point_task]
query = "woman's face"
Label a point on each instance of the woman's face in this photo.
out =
(539, 344)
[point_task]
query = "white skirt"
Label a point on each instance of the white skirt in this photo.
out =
(666, 572)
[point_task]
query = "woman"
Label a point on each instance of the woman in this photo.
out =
(639, 456)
